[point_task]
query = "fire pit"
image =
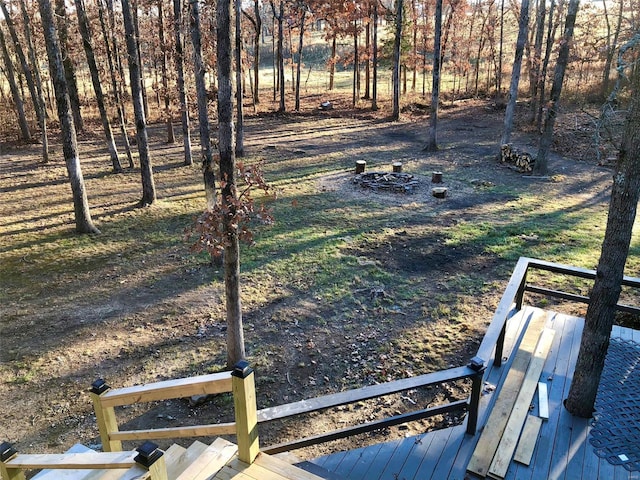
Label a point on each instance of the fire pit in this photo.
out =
(388, 181)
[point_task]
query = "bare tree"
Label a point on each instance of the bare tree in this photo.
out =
(111, 49)
(67, 62)
(432, 140)
(15, 92)
(31, 76)
(515, 73)
(256, 21)
(239, 143)
(182, 93)
(83, 220)
(203, 111)
(395, 115)
(615, 249)
(146, 171)
(541, 166)
(165, 77)
(235, 335)
(87, 43)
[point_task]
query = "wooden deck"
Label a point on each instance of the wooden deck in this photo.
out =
(562, 450)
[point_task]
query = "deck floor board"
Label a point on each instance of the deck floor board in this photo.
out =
(563, 451)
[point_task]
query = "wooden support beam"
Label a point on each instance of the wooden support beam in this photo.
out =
(175, 432)
(107, 423)
(244, 399)
(509, 440)
(528, 440)
(490, 438)
(179, 388)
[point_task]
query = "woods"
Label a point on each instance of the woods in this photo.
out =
(389, 55)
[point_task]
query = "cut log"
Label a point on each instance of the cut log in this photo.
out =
(439, 192)
(397, 167)
(436, 177)
(360, 166)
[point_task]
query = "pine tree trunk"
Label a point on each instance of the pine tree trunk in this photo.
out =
(15, 92)
(235, 336)
(208, 166)
(83, 24)
(69, 69)
(615, 249)
(182, 94)
(541, 164)
(432, 140)
(148, 186)
(515, 73)
(69, 141)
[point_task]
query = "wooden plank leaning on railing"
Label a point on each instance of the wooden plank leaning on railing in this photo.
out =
(240, 382)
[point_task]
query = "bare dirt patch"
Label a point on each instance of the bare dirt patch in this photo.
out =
(133, 306)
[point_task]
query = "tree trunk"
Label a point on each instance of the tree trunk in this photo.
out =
(542, 79)
(115, 90)
(171, 138)
(332, 67)
(69, 69)
(208, 167)
(299, 64)
(356, 65)
(432, 140)
(31, 73)
(612, 46)
(535, 72)
(367, 62)
(280, 52)
(33, 59)
(374, 60)
(83, 24)
(540, 167)
(182, 94)
(15, 92)
(239, 133)
(136, 30)
(235, 336)
(69, 141)
(395, 114)
(515, 73)
(607, 286)
(148, 187)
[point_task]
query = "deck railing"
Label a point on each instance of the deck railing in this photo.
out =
(489, 353)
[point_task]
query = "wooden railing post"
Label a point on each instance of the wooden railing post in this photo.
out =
(105, 417)
(151, 457)
(244, 400)
(478, 365)
(7, 452)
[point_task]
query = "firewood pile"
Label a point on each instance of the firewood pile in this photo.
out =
(389, 181)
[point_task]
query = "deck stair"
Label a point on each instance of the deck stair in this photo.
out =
(218, 461)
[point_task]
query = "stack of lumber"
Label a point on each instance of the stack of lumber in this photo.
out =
(510, 429)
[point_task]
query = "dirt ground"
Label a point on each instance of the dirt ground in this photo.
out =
(151, 314)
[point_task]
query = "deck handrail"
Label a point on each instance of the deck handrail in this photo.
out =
(240, 381)
(145, 462)
(492, 344)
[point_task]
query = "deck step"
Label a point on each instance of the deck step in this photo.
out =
(210, 461)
